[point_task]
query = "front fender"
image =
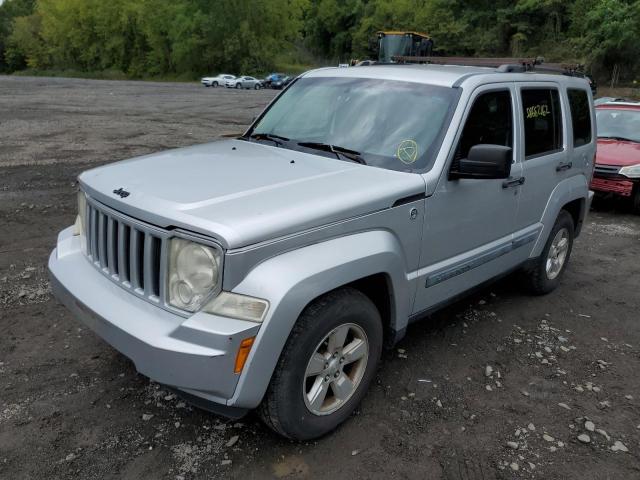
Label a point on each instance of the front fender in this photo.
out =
(293, 279)
(568, 190)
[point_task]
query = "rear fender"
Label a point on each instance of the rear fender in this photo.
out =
(572, 188)
(292, 280)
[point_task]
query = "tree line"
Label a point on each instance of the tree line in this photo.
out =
(160, 38)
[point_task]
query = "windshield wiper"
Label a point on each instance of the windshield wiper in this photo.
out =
(623, 139)
(277, 139)
(339, 152)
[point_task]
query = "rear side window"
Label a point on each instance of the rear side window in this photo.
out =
(490, 121)
(542, 121)
(580, 116)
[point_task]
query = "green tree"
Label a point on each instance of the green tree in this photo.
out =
(607, 33)
(9, 11)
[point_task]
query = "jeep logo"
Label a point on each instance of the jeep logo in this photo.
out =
(121, 192)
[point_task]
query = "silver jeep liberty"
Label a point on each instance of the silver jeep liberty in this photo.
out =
(268, 271)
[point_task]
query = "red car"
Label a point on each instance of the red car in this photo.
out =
(617, 169)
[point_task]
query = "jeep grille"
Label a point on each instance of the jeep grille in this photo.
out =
(128, 252)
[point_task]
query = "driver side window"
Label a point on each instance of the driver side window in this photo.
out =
(490, 121)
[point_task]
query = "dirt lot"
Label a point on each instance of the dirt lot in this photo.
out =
(72, 407)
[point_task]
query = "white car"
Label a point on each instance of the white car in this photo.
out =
(244, 82)
(215, 81)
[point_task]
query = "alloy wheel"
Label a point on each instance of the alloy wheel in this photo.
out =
(557, 253)
(335, 369)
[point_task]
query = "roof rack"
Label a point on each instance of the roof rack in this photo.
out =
(501, 64)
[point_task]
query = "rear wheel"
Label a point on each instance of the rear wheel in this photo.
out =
(214, 84)
(238, 85)
(326, 366)
(635, 199)
(543, 274)
(257, 86)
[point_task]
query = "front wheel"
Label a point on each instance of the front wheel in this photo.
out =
(326, 366)
(238, 85)
(543, 274)
(214, 84)
(257, 87)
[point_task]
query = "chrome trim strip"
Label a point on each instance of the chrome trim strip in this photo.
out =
(480, 259)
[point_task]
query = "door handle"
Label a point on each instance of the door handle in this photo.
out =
(513, 182)
(564, 166)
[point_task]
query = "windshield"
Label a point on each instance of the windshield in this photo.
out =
(386, 123)
(618, 124)
(392, 46)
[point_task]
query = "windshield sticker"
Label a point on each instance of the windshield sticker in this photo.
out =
(538, 111)
(407, 151)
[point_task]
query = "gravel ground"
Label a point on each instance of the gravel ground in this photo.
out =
(501, 385)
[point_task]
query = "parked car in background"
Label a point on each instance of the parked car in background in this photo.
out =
(617, 170)
(244, 82)
(217, 80)
(272, 77)
(281, 82)
(601, 100)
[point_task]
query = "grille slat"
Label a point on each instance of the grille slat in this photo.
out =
(123, 252)
(607, 171)
(135, 259)
(102, 240)
(112, 252)
(151, 270)
(128, 252)
(93, 227)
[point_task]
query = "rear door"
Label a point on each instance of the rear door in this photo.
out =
(544, 154)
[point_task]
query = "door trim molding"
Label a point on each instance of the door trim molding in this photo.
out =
(513, 242)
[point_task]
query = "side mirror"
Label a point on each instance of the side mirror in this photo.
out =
(485, 161)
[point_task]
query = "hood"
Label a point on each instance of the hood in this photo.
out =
(242, 193)
(618, 153)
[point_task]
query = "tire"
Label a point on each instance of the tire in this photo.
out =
(238, 85)
(214, 84)
(287, 406)
(257, 87)
(543, 275)
(635, 199)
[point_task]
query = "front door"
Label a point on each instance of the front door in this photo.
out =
(469, 223)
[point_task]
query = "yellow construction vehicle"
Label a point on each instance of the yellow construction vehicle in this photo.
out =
(393, 44)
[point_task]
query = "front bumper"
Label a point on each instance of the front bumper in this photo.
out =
(612, 185)
(195, 354)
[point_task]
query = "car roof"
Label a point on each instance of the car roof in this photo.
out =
(441, 75)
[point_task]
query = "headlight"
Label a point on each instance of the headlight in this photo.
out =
(194, 273)
(632, 171)
(237, 306)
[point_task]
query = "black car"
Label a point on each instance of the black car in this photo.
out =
(281, 82)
